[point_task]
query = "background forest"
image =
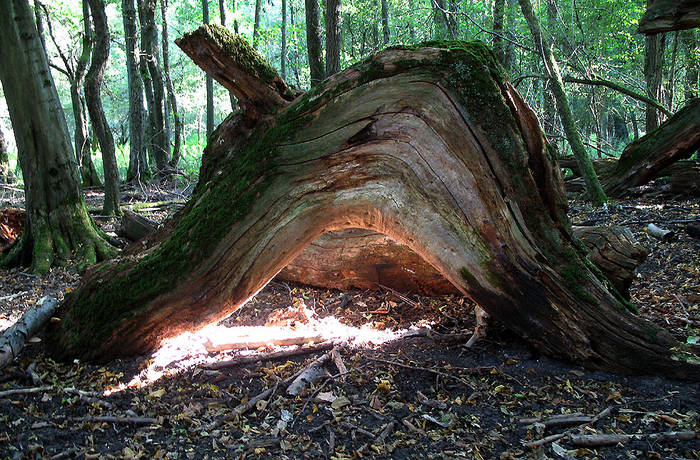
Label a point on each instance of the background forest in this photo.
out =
(595, 42)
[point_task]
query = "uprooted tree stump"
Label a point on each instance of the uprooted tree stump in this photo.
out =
(430, 146)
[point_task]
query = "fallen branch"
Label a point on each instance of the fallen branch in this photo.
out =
(311, 373)
(246, 406)
(13, 339)
(117, 419)
(558, 420)
(660, 233)
(412, 303)
(89, 397)
(555, 437)
(14, 296)
(601, 440)
(250, 359)
(425, 369)
(24, 391)
(248, 344)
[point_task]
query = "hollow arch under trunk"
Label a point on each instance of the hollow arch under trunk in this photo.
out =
(430, 146)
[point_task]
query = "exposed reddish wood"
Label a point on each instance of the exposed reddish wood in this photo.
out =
(362, 259)
(431, 147)
(668, 15)
(11, 226)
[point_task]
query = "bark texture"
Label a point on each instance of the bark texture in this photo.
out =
(669, 15)
(93, 83)
(149, 47)
(57, 222)
(431, 147)
(138, 162)
(313, 41)
(333, 39)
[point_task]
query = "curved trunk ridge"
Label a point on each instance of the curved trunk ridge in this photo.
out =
(430, 146)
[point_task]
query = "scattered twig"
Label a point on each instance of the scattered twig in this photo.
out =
(357, 429)
(412, 303)
(89, 397)
(555, 437)
(311, 373)
(14, 296)
(245, 407)
(388, 429)
(413, 428)
(117, 419)
(425, 369)
(24, 391)
(73, 452)
(253, 344)
(250, 359)
(601, 440)
(436, 336)
(558, 420)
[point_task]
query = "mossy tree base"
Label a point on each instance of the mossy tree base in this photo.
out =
(66, 235)
(429, 146)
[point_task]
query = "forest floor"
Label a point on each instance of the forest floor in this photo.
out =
(404, 395)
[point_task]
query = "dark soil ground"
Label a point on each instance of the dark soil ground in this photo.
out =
(413, 397)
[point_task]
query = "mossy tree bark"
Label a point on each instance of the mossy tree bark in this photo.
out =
(593, 187)
(93, 98)
(57, 221)
(138, 163)
(429, 146)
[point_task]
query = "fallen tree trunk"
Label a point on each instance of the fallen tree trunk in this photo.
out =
(642, 160)
(135, 226)
(13, 339)
(605, 167)
(668, 15)
(429, 146)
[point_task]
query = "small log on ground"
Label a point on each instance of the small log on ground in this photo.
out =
(14, 338)
(668, 15)
(642, 160)
(431, 146)
(615, 251)
(135, 226)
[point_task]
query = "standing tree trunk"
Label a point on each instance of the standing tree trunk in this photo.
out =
(653, 74)
(441, 21)
(177, 120)
(6, 175)
(81, 137)
(138, 163)
(497, 42)
(57, 220)
(222, 11)
(593, 187)
(93, 82)
(256, 22)
(208, 81)
(149, 47)
(692, 64)
(431, 147)
(283, 51)
(385, 22)
(333, 39)
(297, 64)
(313, 41)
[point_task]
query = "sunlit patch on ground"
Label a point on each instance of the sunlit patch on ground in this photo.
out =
(216, 343)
